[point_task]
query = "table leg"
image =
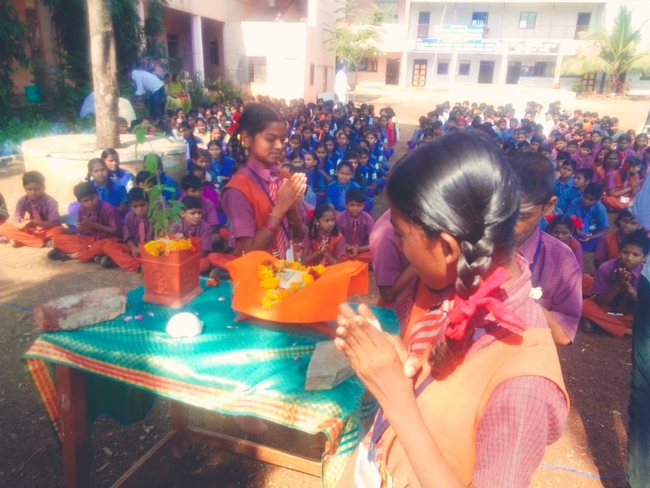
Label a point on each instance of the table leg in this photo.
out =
(179, 419)
(74, 435)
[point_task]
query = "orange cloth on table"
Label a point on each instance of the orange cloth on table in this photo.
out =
(315, 303)
(122, 256)
(615, 203)
(615, 325)
(29, 237)
(85, 247)
(455, 404)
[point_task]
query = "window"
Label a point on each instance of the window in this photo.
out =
(443, 67)
(479, 19)
(527, 20)
(312, 72)
(257, 69)
(539, 69)
(368, 64)
(214, 52)
(390, 9)
(419, 72)
(424, 19)
(463, 68)
(173, 46)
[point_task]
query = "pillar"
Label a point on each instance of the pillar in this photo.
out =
(452, 68)
(503, 72)
(403, 70)
(558, 70)
(197, 47)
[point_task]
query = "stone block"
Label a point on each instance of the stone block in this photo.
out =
(328, 367)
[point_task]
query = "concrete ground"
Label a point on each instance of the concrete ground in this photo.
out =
(596, 370)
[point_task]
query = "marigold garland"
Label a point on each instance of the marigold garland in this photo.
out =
(268, 274)
(166, 245)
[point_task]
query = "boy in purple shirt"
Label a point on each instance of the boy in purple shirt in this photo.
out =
(193, 187)
(553, 266)
(138, 229)
(393, 273)
(98, 224)
(356, 225)
(615, 288)
(36, 219)
(193, 225)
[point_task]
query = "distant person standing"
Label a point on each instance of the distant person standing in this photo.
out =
(146, 82)
(341, 86)
(638, 434)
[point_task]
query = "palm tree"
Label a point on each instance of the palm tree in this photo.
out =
(614, 53)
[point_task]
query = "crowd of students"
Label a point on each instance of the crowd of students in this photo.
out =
(480, 255)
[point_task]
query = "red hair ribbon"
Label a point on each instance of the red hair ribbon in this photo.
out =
(577, 223)
(626, 166)
(463, 310)
(549, 218)
(310, 215)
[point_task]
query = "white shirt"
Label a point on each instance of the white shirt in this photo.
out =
(145, 82)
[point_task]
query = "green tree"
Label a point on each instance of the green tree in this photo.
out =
(357, 34)
(12, 52)
(616, 53)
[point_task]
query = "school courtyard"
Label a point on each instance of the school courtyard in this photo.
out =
(592, 452)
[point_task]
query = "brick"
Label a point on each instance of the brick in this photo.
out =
(81, 310)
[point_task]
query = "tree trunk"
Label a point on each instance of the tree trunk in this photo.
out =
(104, 68)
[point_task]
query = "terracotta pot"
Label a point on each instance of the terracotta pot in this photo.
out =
(171, 280)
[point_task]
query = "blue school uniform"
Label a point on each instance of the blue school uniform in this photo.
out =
(566, 197)
(593, 220)
(113, 194)
(316, 181)
(560, 187)
(222, 169)
(168, 182)
(123, 177)
(336, 194)
(330, 165)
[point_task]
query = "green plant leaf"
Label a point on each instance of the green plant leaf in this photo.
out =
(150, 161)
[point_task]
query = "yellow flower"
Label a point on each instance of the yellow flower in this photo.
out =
(270, 280)
(166, 245)
(307, 279)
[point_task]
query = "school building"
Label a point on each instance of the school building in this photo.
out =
(439, 44)
(270, 47)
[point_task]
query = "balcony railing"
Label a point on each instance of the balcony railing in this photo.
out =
(456, 33)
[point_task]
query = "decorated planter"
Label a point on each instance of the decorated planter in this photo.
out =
(172, 279)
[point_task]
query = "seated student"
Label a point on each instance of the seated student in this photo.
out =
(36, 219)
(565, 180)
(122, 126)
(193, 187)
(623, 185)
(593, 215)
(192, 224)
(193, 143)
(553, 265)
(222, 165)
(111, 159)
(138, 229)
(201, 159)
(356, 225)
(323, 244)
(562, 228)
(572, 148)
(315, 179)
(580, 181)
(583, 157)
(208, 190)
(108, 191)
(615, 288)
(613, 161)
(607, 248)
(337, 190)
(309, 199)
(99, 223)
(392, 271)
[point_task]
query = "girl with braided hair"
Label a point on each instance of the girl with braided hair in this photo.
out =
(472, 392)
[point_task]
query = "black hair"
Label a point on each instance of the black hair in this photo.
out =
(535, 175)
(145, 177)
(638, 238)
(588, 173)
(460, 184)
(573, 142)
(202, 153)
(190, 203)
(345, 163)
(570, 162)
(93, 162)
(634, 161)
(192, 182)
(351, 154)
(562, 220)
(626, 213)
(257, 117)
(33, 177)
(110, 152)
(215, 143)
(625, 137)
(594, 190)
(137, 194)
(587, 144)
(319, 211)
(83, 190)
(356, 195)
